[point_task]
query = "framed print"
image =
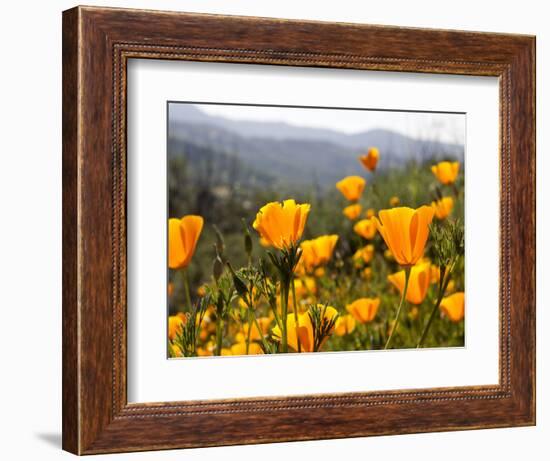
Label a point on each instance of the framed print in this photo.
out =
(282, 230)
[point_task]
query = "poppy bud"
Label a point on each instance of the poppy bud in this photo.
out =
(217, 268)
(247, 239)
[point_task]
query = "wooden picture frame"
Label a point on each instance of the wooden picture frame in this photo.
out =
(97, 43)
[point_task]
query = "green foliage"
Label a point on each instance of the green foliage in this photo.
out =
(187, 336)
(255, 273)
(447, 241)
(322, 326)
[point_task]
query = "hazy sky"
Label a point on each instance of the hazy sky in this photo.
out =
(433, 126)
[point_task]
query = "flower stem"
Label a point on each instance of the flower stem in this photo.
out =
(266, 347)
(396, 321)
(455, 190)
(276, 315)
(375, 190)
(249, 329)
(219, 331)
(296, 321)
(284, 308)
(186, 289)
(445, 279)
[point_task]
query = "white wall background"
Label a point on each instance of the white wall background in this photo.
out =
(30, 227)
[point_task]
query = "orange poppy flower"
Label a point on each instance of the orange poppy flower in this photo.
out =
(453, 306)
(351, 187)
(446, 172)
(405, 231)
(281, 224)
(366, 228)
(318, 251)
(419, 282)
(352, 212)
(443, 207)
(183, 235)
(345, 324)
(305, 329)
(370, 160)
(364, 309)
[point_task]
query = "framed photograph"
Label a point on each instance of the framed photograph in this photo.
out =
(281, 230)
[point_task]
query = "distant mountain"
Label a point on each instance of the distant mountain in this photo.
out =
(297, 154)
(274, 130)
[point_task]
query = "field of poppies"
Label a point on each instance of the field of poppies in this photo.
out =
(377, 263)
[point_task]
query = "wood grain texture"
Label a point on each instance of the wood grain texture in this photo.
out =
(97, 43)
(70, 384)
